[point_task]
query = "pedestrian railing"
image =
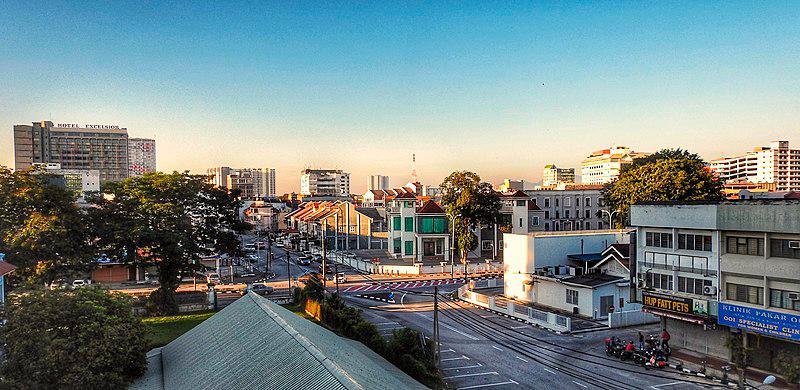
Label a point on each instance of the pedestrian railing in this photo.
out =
(526, 313)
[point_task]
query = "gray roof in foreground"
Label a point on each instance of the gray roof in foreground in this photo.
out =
(256, 344)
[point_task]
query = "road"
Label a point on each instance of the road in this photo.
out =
(484, 350)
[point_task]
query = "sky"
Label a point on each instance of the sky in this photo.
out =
(498, 88)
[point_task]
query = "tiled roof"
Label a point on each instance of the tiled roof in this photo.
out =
(6, 267)
(517, 194)
(406, 195)
(532, 206)
(430, 207)
(270, 348)
(592, 280)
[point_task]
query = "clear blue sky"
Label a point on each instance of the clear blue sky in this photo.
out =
(501, 88)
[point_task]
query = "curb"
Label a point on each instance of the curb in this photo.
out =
(726, 382)
(374, 298)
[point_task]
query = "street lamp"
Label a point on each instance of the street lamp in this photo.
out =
(610, 215)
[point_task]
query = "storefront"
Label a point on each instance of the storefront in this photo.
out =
(769, 333)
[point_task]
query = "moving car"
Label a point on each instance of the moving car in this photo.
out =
(328, 269)
(212, 278)
(341, 277)
(304, 260)
(317, 257)
(78, 283)
(261, 289)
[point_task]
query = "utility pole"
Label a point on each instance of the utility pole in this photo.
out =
(437, 348)
(324, 257)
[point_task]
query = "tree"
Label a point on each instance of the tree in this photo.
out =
(169, 221)
(470, 203)
(669, 175)
(68, 340)
(42, 230)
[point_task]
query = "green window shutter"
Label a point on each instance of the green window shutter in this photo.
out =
(409, 247)
(396, 223)
(427, 225)
(409, 224)
(439, 225)
(397, 245)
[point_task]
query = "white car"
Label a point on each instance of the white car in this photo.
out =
(78, 283)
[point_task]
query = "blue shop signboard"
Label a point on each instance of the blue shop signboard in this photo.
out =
(768, 322)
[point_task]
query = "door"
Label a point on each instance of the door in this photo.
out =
(429, 248)
(605, 303)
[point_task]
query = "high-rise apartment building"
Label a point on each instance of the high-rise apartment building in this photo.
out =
(378, 182)
(552, 176)
(776, 164)
(333, 182)
(141, 156)
(603, 166)
(252, 183)
(92, 147)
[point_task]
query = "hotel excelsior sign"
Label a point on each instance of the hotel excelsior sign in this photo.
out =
(668, 303)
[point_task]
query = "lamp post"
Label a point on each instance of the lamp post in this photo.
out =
(610, 215)
(453, 246)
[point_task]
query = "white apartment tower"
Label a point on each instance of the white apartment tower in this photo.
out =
(253, 183)
(331, 182)
(378, 182)
(552, 176)
(776, 163)
(603, 166)
(141, 156)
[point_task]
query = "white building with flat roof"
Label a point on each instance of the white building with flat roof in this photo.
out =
(776, 163)
(553, 176)
(333, 182)
(603, 166)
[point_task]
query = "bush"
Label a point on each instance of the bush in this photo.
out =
(412, 353)
(788, 365)
(63, 339)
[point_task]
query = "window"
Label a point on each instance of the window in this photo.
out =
(660, 240)
(547, 226)
(534, 221)
(439, 247)
(744, 293)
(567, 202)
(572, 297)
(409, 224)
(588, 225)
(600, 225)
(546, 202)
(588, 203)
(566, 213)
(521, 203)
(784, 248)
(433, 225)
(396, 223)
(397, 244)
(746, 246)
(546, 214)
(577, 202)
(409, 247)
(556, 200)
(660, 281)
(600, 202)
(588, 214)
(520, 222)
(694, 242)
(692, 285)
(780, 298)
(556, 214)
(621, 299)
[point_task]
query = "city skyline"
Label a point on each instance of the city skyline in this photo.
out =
(500, 91)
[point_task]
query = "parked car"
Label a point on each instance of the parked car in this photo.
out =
(317, 257)
(261, 289)
(213, 278)
(341, 278)
(280, 245)
(78, 283)
(248, 275)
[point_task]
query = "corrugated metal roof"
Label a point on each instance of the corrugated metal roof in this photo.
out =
(254, 343)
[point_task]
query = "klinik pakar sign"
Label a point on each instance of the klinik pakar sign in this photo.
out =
(762, 321)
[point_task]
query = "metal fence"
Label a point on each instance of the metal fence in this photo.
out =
(530, 315)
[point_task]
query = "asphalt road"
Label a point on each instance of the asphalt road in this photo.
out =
(484, 350)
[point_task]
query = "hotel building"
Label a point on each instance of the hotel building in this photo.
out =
(776, 164)
(603, 166)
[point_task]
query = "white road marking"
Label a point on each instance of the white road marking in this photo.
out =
(462, 357)
(495, 347)
(521, 359)
(550, 371)
(466, 375)
(666, 384)
(385, 323)
(471, 337)
(447, 350)
(580, 384)
(520, 327)
(488, 385)
(463, 367)
(489, 316)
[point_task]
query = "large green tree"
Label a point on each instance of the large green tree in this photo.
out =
(169, 221)
(470, 203)
(86, 339)
(668, 175)
(42, 230)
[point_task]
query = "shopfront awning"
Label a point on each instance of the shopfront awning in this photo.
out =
(675, 316)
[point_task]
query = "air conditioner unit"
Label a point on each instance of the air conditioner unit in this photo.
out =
(641, 283)
(794, 244)
(709, 290)
(793, 296)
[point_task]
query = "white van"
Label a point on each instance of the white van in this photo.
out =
(212, 278)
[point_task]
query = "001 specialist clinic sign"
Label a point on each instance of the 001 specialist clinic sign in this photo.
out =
(757, 320)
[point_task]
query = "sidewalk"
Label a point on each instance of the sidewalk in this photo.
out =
(693, 362)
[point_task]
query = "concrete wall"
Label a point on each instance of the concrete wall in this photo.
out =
(526, 252)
